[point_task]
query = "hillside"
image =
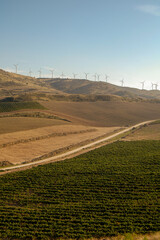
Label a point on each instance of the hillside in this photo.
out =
(15, 84)
(104, 113)
(12, 84)
(82, 86)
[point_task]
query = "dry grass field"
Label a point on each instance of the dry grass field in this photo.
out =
(14, 124)
(25, 146)
(24, 139)
(149, 132)
(105, 114)
(12, 83)
(152, 236)
(83, 86)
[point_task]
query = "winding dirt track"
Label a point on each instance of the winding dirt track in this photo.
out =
(77, 150)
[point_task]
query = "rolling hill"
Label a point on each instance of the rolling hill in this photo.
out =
(104, 113)
(12, 84)
(82, 86)
(75, 90)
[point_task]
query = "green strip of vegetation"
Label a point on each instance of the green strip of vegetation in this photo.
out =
(34, 115)
(155, 122)
(109, 191)
(14, 106)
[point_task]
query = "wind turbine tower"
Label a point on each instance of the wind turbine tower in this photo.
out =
(142, 84)
(62, 75)
(95, 77)
(74, 75)
(152, 86)
(156, 86)
(51, 72)
(30, 73)
(16, 66)
(86, 75)
(122, 82)
(40, 73)
(98, 76)
(106, 77)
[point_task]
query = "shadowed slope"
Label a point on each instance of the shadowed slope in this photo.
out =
(81, 86)
(105, 113)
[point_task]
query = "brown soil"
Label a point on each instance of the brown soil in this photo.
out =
(105, 114)
(14, 124)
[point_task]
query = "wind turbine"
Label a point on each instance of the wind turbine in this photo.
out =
(122, 82)
(86, 75)
(30, 73)
(152, 85)
(98, 76)
(142, 84)
(156, 86)
(106, 77)
(16, 66)
(51, 70)
(95, 77)
(74, 75)
(62, 75)
(40, 73)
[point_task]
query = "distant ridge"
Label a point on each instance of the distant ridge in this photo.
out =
(12, 84)
(82, 86)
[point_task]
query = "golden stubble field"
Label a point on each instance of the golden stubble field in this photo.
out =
(25, 146)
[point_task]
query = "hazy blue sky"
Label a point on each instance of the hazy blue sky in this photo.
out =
(120, 38)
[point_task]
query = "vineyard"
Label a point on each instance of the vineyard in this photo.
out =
(109, 191)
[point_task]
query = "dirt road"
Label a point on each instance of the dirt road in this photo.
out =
(79, 149)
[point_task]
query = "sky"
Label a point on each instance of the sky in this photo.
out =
(118, 38)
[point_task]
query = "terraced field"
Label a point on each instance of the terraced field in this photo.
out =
(30, 145)
(111, 190)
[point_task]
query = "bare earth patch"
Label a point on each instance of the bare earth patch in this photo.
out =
(14, 124)
(105, 114)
